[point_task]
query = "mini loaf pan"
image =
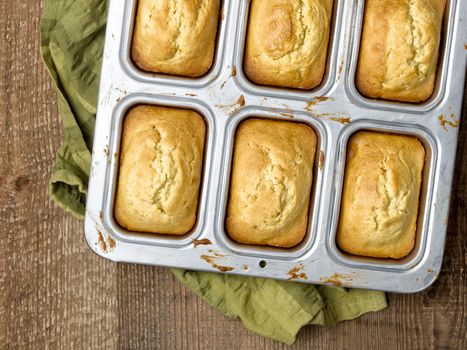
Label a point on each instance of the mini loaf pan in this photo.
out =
(441, 75)
(335, 110)
(118, 117)
(330, 72)
(159, 78)
(306, 244)
(426, 193)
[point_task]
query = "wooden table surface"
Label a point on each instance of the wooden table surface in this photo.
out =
(55, 293)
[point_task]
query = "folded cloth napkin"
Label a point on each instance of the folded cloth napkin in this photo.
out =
(72, 39)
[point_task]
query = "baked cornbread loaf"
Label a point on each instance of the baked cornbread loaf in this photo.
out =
(271, 182)
(175, 37)
(399, 49)
(287, 42)
(381, 192)
(161, 161)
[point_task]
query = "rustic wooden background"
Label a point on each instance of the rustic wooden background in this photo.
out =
(55, 293)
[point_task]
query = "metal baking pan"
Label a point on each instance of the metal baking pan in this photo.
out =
(335, 110)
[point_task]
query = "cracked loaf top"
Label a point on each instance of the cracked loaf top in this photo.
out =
(287, 42)
(175, 36)
(399, 49)
(380, 200)
(272, 173)
(161, 160)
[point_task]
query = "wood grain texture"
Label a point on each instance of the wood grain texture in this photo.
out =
(56, 294)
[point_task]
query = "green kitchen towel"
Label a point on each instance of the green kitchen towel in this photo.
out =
(72, 38)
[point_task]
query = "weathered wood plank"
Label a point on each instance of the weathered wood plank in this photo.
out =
(54, 292)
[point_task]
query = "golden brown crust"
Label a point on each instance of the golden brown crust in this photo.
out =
(175, 36)
(272, 175)
(287, 42)
(161, 161)
(380, 200)
(399, 49)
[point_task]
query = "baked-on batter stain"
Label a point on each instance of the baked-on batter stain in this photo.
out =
(321, 160)
(106, 150)
(191, 95)
(111, 243)
(434, 273)
(333, 280)
(234, 71)
(101, 241)
(443, 121)
(216, 253)
(315, 101)
(342, 120)
(338, 279)
(339, 71)
(288, 115)
(234, 107)
(241, 101)
(297, 273)
(210, 260)
(204, 241)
